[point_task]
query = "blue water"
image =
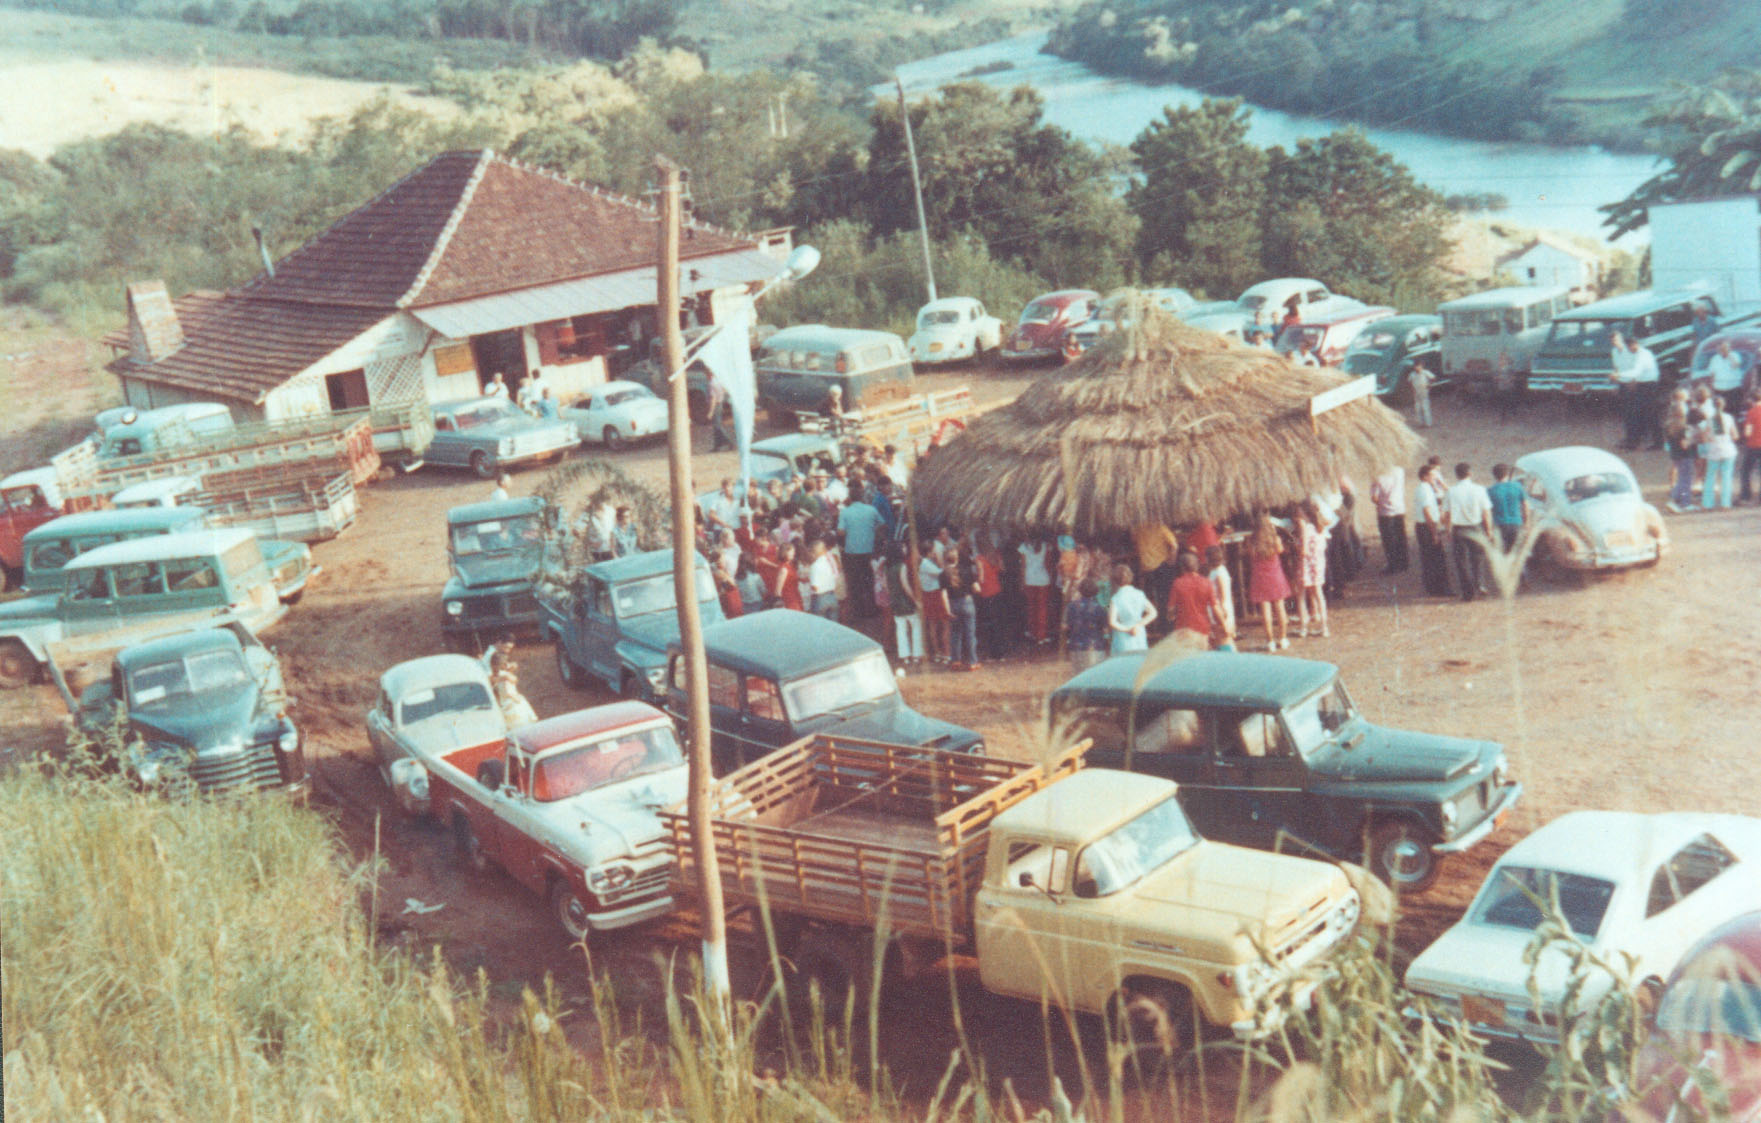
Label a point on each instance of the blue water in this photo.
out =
(1546, 185)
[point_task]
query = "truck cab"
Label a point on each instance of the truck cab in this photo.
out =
(28, 499)
(617, 620)
(494, 551)
(144, 432)
(1576, 357)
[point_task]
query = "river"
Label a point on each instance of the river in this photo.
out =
(1547, 186)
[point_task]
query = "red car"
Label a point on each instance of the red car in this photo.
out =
(1707, 1031)
(1044, 323)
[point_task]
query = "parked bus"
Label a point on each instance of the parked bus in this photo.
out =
(1501, 326)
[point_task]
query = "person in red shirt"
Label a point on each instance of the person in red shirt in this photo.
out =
(1751, 446)
(1192, 602)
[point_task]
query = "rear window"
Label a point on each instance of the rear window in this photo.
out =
(1519, 894)
(874, 355)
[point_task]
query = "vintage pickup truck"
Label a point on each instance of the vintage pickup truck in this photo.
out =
(494, 551)
(1085, 889)
(207, 708)
(570, 807)
(616, 619)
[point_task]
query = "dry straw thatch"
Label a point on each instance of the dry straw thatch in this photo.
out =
(1157, 423)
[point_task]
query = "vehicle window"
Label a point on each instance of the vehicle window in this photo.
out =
(1534, 487)
(51, 555)
(573, 771)
(443, 424)
(1039, 312)
(157, 683)
(94, 585)
(763, 700)
(125, 446)
(188, 574)
(599, 595)
(655, 594)
(1662, 893)
(1259, 734)
(676, 672)
(867, 678)
(620, 397)
(1581, 489)
(1047, 865)
(724, 687)
(1075, 718)
(1540, 314)
(1516, 896)
(451, 698)
(510, 533)
(1317, 717)
(1698, 863)
(242, 558)
(1170, 731)
(139, 579)
(944, 316)
(874, 356)
(1314, 295)
(1673, 317)
(1471, 323)
(1122, 859)
(1513, 321)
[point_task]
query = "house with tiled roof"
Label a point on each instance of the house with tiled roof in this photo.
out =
(472, 265)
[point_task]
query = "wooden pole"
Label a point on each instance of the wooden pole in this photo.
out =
(709, 885)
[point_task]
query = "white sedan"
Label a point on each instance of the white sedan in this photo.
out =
(954, 328)
(617, 413)
(426, 708)
(1644, 886)
(1594, 516)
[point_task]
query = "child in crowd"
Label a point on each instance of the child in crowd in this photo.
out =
(1085, 626)
(1223, 588)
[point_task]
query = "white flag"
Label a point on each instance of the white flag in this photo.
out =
(728, 357)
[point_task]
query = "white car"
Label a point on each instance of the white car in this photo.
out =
(426, 708)
(1225, 317)
(1105, 321)
(1595, 516)
(1645, 886)
(954, 328)
(616, 414)
(1314, 301)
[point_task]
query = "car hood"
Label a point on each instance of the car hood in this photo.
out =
(653, 630)
(205, 721)
(620, 819)
(1487, 960)
(503, 567)
(1398, 754)
(1218, 892)
(446, 733)
(29, 608)
(898, 723)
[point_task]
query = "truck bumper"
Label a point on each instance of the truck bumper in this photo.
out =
(631, 914)
(1302, 997)
(1493, 820)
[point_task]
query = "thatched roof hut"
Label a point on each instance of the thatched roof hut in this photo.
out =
(1158, 423)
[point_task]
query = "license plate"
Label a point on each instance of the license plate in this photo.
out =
(1620, 538)
(1498, 819)
(1482, 1011)
(1021, 345)
(1573, 387)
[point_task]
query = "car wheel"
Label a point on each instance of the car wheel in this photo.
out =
(293, 598)
(466, 844)
(480, 464)
(566, 669)
(1401, 855)
(1148, 1019)
(569, 909)
(18, 667)
(614, 440)
(842, 965)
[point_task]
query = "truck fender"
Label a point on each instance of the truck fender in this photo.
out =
(39, 651)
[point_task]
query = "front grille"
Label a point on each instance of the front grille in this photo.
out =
(520, 604)
(647, 883)
(528, 443)
(255, 766)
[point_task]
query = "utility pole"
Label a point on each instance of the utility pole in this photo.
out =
(709, 885)
(929, 269)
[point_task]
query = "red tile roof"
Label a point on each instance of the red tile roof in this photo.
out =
(470, 224)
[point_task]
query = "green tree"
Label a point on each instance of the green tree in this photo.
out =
(1199, 194)
(1343, 210)
(992, 168)
(1713, 136)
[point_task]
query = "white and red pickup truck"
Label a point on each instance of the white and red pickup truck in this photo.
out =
(569, 806)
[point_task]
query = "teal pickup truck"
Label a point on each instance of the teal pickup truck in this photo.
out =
(614, 621)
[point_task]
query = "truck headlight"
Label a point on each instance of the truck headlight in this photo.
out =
(611, 876)
(1252, 978)
(1501, 770)
(289, 740)
(1448, 814)
(408, 776)
(454, 608)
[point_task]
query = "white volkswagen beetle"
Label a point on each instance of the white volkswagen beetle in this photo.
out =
(1595, 515)
(1643, 888)
(954, 328)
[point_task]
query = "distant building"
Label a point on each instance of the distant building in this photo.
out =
(1553, 262)
(470, 266)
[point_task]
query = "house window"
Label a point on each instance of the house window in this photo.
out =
(1531, 272)
(347, 390)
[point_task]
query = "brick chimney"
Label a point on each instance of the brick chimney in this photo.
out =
(153, 328)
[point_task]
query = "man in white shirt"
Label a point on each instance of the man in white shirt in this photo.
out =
(1466, 505)
(1433, 563)
(722, 509)
(1725, 370)
(1388, 493)
(1647, 396)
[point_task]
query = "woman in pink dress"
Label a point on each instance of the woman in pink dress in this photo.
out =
(1312, 594)
(1266, 584)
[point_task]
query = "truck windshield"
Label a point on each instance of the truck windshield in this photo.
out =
(512, 533)
(1125, 857)
(608, 760)
(1319, 716)
(646, 595)
(1584, 335)
(865, 679)
(157, 684)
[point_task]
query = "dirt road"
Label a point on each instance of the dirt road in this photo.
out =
(1633, 691)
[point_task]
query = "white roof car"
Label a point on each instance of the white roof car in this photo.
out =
(954, 328)
(1627, 884)
(616, 414)
(428, 707)
(1596, 517)
(1314, 300)
(162, 492)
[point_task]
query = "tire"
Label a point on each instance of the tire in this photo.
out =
(569, 909)
(566, 670)
(614, 440)
(293, 598)
(466, 844)
(5, 579)
(481, 466)
(1401, 855)
(1151, 1019)
(838, 963)
(18, 667)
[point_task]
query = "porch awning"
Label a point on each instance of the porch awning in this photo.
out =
(633, 288)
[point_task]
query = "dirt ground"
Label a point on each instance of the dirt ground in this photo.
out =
(1633, 692)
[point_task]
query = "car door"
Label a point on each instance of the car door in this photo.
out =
(726, 743)
(1017, 922)
(763, 725)
(599, 632)
(1258, 781)
(88, 603)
